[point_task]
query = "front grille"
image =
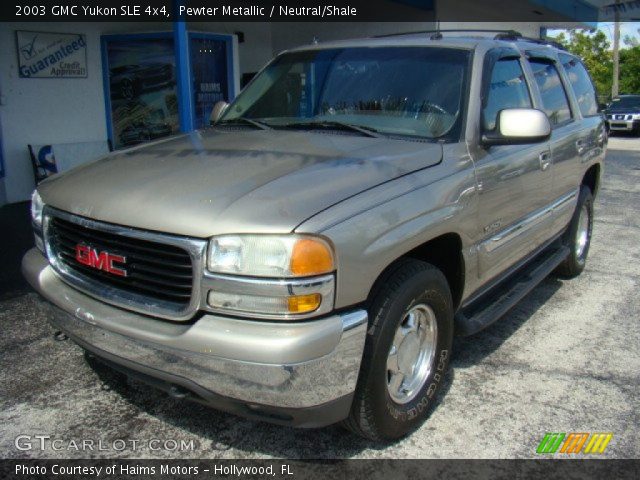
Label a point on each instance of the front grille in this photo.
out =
(157, 273)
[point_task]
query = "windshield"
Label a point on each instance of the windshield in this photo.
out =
(414, 91)
(625, 102)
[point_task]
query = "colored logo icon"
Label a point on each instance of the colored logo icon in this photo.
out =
(573, 443)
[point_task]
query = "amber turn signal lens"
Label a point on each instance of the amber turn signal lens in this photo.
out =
(311, 257)
(304, 303)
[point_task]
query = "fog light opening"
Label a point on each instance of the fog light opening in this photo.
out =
(290, 305)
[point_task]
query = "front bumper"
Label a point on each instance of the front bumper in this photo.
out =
(295, 373)
(623, 125)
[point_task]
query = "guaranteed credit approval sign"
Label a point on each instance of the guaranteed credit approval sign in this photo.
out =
(51, 55)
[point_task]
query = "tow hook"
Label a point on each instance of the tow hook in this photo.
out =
(60, 336)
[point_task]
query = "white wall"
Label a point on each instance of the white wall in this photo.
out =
(288, 35)
(48, 110)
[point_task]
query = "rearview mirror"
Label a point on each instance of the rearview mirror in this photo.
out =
(218, 110)
(517, 126)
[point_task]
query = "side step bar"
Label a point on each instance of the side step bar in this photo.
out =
(489, 308)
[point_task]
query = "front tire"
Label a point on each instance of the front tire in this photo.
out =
(406, 355)
(578, 236)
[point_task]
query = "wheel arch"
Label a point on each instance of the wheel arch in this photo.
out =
(591, 178)
(443, 252)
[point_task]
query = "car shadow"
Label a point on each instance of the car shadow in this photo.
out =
(469, 351)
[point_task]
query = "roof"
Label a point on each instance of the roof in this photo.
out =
(426, 39)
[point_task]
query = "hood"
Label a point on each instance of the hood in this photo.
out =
(623, 109)
(243, 181)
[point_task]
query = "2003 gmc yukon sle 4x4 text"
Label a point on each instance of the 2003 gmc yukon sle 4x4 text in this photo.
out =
(308, 258)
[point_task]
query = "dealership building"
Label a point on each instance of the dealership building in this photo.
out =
(70, 92)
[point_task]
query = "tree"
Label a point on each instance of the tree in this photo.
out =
(630, 70)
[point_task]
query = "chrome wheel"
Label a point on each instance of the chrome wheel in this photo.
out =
(411, 356)
(583, 233)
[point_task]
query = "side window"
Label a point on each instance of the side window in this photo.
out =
(507, 89)
(581, 83)
(554, 99)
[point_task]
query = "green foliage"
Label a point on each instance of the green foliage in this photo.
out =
(630, 70)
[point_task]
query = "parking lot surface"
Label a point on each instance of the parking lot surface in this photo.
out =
(566, 359)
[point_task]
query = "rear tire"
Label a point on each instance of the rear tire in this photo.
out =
(409, 338)
(578, 236)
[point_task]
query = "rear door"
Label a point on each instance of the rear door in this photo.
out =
(569, 140)
(515, 181)
(591, 131)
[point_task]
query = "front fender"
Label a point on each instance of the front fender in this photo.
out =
(375, 228)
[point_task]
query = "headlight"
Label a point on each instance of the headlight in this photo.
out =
(275, 256)
(36, 218)
(36, 208)
(636, 116)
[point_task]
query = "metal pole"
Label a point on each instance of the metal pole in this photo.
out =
(183, 69)
(615, 86)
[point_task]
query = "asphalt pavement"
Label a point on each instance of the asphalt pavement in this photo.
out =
(566, 359)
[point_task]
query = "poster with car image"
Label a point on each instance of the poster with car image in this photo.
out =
(142, 87)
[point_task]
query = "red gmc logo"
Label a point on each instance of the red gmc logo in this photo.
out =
(100, 260)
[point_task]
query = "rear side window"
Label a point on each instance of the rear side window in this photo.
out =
(554, 98)
(507, 89)
(581, 83)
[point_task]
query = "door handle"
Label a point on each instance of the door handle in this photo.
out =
(545, 160)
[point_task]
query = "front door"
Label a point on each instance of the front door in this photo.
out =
(514, 181)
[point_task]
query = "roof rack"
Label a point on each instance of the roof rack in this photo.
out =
(509, 35)
(516, 36)
(437, 34)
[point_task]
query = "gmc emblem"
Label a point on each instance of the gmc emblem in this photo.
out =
(100, 260)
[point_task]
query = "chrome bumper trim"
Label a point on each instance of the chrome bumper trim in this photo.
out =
(510, 233)
(281, 364)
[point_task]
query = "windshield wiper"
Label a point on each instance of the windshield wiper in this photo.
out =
(332, 124)
(250, 121)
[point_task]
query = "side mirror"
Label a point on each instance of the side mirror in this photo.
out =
(218, 110)
(517, 126)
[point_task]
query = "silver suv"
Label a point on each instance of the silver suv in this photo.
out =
(308, 258)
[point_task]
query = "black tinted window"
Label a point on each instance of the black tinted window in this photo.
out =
(581, 83)
(412, 91)
(554, 98)
(507, 89)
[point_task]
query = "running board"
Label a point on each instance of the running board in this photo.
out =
(489, 308)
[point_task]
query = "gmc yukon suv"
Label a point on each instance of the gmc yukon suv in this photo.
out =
(307, 259)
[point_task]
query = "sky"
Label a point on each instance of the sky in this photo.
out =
(626, 28)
